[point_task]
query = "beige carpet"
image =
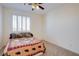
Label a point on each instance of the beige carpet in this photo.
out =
(53, 50)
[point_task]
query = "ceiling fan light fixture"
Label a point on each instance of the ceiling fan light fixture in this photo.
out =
(37, 7)
(33, 7)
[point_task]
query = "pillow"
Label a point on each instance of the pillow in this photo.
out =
(12, 36)
(21, 35)
(28, 35)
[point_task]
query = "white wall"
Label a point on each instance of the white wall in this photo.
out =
(36, 23)
(62, 27)
(0, 26)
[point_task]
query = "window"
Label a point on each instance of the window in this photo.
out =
(20, 23)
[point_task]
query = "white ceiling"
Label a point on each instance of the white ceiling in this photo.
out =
(20, 6)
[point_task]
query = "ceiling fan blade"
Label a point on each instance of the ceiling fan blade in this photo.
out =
(40, 3)
(24, 3)
(41, 7)
(29, 3)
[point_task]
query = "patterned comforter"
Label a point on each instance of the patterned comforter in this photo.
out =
(24, 47)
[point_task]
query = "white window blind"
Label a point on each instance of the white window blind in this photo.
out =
(24, 23)
(28, 24)
(14, 25)
(20, 23)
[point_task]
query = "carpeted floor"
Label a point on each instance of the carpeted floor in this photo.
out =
(53, 50)
(1, 51)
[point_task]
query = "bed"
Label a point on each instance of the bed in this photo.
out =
(24, 44)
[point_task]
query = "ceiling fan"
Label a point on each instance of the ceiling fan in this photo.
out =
(35, 6)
